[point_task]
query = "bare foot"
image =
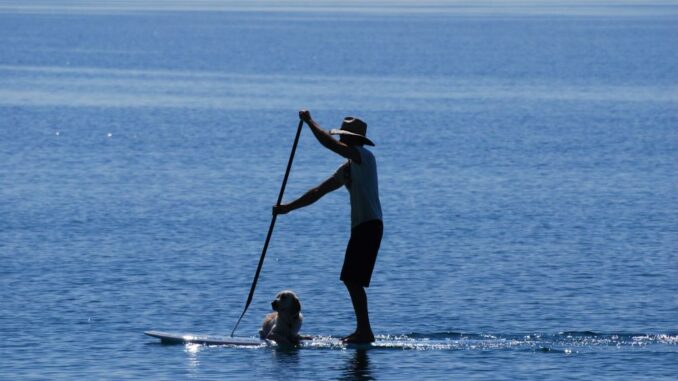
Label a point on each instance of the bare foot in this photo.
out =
(358, 338)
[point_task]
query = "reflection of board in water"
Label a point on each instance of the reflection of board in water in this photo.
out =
(565, 342)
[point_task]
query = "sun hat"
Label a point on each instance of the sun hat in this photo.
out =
(352, 126)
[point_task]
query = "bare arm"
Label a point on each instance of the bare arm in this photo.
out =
(328, 141)
(308, 198)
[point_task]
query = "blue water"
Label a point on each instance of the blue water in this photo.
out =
(527, 157)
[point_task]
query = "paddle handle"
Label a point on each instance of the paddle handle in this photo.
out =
(270, 228)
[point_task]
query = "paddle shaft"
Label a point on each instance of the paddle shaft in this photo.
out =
(270, 228)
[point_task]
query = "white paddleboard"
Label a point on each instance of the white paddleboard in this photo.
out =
(318, 342)
(188, 338)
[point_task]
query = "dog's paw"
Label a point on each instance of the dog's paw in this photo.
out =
(283, 341)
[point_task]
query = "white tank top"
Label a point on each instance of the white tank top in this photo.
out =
(363, 185)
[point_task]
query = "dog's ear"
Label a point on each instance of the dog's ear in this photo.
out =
(274, 305)
(297, 305)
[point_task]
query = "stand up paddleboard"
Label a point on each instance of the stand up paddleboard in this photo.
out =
(187, 338)
(190, 338)
(328, 342)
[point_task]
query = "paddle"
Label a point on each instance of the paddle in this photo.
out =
(270, 228)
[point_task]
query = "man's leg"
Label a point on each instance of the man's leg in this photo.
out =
(363, 332)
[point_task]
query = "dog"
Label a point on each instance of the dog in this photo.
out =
(283, 324)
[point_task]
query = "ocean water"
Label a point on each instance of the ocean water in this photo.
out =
(527, 157)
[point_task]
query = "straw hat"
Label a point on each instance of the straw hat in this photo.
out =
(352, 126)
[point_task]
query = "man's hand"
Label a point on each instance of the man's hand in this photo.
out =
(280, 209)
(305, 115)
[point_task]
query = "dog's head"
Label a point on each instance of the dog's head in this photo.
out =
(286, 302)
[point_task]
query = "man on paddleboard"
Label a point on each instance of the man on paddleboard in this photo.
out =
(359, 176)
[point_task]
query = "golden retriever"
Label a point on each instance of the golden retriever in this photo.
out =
(283, 324)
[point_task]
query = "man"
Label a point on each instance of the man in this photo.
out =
(359, 175)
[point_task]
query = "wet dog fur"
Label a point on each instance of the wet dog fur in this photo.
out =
(283, 324)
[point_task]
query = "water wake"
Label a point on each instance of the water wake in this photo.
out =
(567, 342)
(564, 342)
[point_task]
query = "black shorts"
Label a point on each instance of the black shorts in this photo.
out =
(361, 252)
